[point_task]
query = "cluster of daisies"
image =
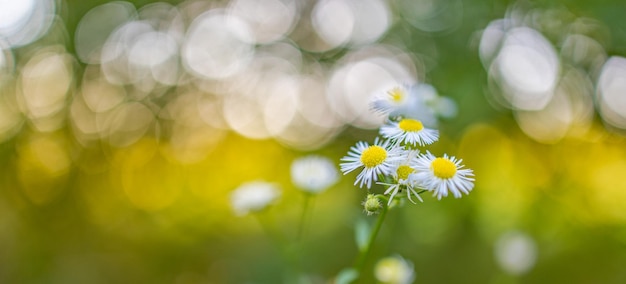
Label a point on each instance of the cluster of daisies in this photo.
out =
(395, 159)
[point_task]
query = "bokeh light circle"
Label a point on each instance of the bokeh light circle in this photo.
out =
(218, 45)
(22, 22)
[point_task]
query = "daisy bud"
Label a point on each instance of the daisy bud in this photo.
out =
(372, 204)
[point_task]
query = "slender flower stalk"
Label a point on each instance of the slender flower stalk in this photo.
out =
(281, 243)
(312, 175)
(296, 250)
(360, 262)
(305, 216)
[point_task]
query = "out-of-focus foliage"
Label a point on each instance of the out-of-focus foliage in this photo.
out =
(125, 126)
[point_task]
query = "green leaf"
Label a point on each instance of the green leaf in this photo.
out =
(362, 230)
(346, 276)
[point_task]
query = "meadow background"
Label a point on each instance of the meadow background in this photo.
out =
(124, 126)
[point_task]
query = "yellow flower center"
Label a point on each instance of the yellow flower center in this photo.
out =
(443, 168)
(404, 171)
(373, 156)
(397, 94)
(410, 125)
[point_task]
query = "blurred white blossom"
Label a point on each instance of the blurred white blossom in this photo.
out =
(253, 196)
(419, 101)
(394, 270)
(515, 252)
(313, 174)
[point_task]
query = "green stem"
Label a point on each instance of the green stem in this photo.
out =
(304, 217)
(360, 263)
(297, 248)
(268, 228)
(279, 241)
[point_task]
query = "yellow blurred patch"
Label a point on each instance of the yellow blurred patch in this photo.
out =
(42, 167)
(149, 181)
(508, 173)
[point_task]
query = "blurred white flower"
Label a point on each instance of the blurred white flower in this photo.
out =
(419, 101)
(395, 99)
(253, 196)
(313, 174)
(394, 270)
(444, 107)
(515, 252)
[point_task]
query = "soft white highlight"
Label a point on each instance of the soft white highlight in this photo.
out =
(313, 174)
(253, 196)
(394, 270)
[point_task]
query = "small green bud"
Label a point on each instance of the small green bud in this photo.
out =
(372, 204)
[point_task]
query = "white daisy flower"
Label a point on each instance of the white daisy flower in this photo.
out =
(401, 174)
(376, 159)
(443, 174)
(313, 174)
(253, 196)
(409, 131)
(394, 270)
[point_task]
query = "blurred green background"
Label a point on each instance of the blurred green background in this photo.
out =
(124, 126)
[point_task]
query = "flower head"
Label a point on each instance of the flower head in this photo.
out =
(376, 159)
(401, 174)
(409, 131)
(394, 99)
(443, 174)
(414, 101)
(253, 196)
(394, 270)
(313, 174)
